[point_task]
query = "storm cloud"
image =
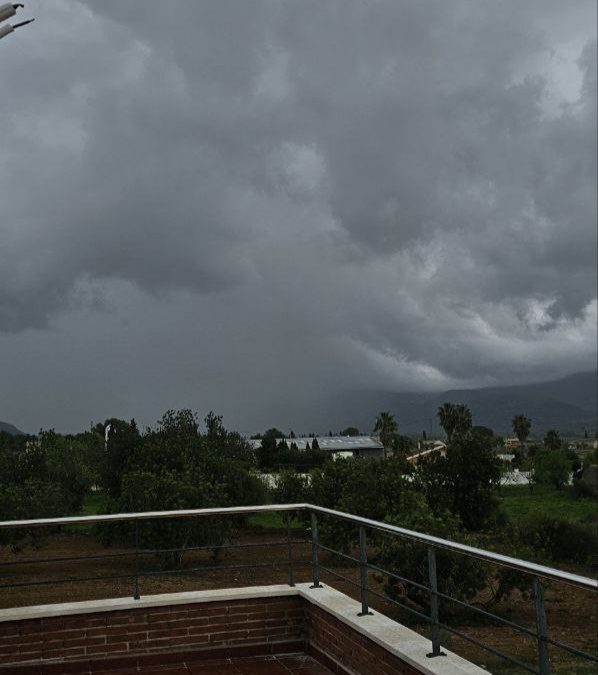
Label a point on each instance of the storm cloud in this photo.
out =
(246, 205)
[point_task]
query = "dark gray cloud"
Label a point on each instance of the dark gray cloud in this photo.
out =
(224, 204)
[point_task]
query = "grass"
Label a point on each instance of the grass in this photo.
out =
(272, 520)
(93, 504)
(519, 502)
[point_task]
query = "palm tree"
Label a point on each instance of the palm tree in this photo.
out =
(446, 416)
(386, 427)
(454, 419)
(464, 419)
(552, 440)
(521, 427)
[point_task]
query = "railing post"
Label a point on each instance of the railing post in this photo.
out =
(290, 551)
(314, 551)
(541, 628)
(434, 613)
(363, 572)
(136, 595)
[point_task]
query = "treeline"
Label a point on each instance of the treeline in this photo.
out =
(48, 474)
(180, 464)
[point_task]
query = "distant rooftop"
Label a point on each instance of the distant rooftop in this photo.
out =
(333, 443)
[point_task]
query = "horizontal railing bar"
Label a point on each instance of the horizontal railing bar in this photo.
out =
(572, 650)
(386, 598)
(494, 617)
(335, 552)
(145, 551)
(49, 582)
(515, 626)
(154, 573)
(396, 576)
(489, 556)
(159, 573)
(150, 515)
(488, 648)
(339, 576)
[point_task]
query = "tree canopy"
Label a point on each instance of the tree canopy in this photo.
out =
(522, 426)
(454, 418)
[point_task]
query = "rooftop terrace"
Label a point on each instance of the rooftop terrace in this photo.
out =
(258, 605)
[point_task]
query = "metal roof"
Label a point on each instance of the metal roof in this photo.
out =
(332, 443)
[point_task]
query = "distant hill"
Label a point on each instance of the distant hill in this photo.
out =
(11, 429)
(568, 404)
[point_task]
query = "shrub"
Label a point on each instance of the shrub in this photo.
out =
(560, 539)
(292, 488)
(465, 482)
(32, 499)
(144, 491)
(367, 487)
(459, 576)
(551, 467)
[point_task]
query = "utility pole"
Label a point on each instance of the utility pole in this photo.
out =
(6, 12)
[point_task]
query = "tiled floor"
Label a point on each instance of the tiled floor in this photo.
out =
(290, 664)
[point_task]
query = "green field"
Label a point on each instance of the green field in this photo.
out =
(518, 502)
(93, 504)
(272, 520)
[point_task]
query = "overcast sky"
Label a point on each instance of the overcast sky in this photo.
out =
(243, 205)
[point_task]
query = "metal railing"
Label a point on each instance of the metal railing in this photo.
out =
(539, 573)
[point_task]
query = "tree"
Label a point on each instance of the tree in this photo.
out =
(147, 491)
(455, 419)
(464, 482)
(68, 466)
(485, 432)
(521, 427)
(315, 445)
(552, 467)
(291, 488)
(372, 489)
(350, 431)
(273, 433)
(552, 440)
(224, 443)
(122, 444)
(174, 466)
(459, 576)
(402, 446)
(266, 453)
(386, 427)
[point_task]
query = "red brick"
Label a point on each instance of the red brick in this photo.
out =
(65, 653)
(156, 634)
(106, 649)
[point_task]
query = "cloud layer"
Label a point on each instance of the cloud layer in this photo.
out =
(224, 204)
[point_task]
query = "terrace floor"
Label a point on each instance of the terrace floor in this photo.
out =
(288, 664)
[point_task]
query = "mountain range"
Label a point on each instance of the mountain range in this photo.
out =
(568, 404)
(11, 429)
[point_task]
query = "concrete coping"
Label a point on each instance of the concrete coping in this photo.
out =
(395, 638)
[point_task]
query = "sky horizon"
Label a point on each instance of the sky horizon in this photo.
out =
(244, 206)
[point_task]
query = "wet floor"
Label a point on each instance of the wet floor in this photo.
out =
(289, 664)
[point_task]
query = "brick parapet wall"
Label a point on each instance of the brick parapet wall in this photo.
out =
(131, 632)
(332, 640)
(78, 638)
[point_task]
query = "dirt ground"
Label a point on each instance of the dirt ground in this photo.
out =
(261, 558)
